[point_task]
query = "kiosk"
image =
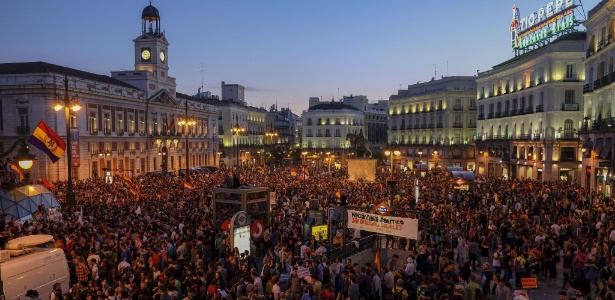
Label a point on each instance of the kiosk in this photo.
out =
(252, 200)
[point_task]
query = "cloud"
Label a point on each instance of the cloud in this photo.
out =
(257, 89)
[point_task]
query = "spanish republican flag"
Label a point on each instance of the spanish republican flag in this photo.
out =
(15, 169)
(188, 187)
(48, 141)
(293, 172)
(127, 178)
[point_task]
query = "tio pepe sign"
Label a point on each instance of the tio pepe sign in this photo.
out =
(554, 18)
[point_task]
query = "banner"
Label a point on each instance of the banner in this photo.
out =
(402, 227)
(75, 153)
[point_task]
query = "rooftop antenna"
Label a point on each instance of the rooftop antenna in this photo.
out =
(435, 71)
(338, 93)
(447, 68)
(202, 75)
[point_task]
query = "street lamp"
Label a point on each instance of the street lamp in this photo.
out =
(68, 104)
(304, 153)
(187, 121)
(392, 182)
(271, 135)
(24, 158)
(329, 161)
(435, 158)
(236, 129)
(420, 157)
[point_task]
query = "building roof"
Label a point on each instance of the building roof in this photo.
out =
(43, 67)
(331, 106)
(573, 36)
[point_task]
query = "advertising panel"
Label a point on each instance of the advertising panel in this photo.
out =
(402, 227)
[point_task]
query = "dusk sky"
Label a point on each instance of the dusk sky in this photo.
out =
(284, 51)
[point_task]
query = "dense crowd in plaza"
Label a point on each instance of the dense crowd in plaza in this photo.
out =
(474, 244)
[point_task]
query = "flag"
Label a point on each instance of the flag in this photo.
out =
(131, 188)
(468, 215)
(48, 141)
(188, 187)
(305, 171)
(377, 260)
(338, 194)
(138, 211)
(48, 184)
(261, 169)
(17, 171)
(127, 178)
(304, 176)
(293, 172)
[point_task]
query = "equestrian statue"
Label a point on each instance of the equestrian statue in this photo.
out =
(361, 146)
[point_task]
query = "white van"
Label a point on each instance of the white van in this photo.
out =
(31, 268)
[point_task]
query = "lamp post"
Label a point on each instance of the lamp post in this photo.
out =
(187, 121)
(435, 158)
(236, 129)
(24, 158)
(68, 104)
(392, 182)
(271, 135)
(304, 153)
(329, 161)
(420, 157)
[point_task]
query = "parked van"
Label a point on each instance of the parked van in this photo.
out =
(25, 267)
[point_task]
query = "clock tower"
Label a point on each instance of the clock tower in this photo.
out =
(151, 72)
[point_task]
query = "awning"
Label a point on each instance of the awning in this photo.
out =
(451, 169)
(463, 174)
(598, 146)
(606, 150)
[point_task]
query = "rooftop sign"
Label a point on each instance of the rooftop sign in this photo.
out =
(548, 21)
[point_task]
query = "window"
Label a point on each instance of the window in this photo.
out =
(131, 124)
(337, 132)
(309, 121)
(142, 125)
(23, 117)
(570, 71)
(73, 119)
(155, 128)
(472, 103)
(92, 122)
(107, 119)
(119, 123)
(569, 97)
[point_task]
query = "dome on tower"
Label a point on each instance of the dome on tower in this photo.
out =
(150, 13)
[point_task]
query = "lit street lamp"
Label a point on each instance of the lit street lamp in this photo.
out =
(304, 155)
(236, 129)
(187, 121)
(68, 104)
(392, 182)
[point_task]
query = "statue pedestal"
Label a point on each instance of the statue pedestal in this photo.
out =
(362, 169)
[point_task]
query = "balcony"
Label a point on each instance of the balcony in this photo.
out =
(539, 108)
(457, 125)
(458, 107)
(490, 116)
(424, 126)
(568, 135)
(107, 131)
(133, 151)
(481, 117)
(529, 110)
(23, 130)
(498, 114)
(570, 106)
(438, 108)
(525, 137)
(587, 88)
(309, 135)
(597, 84)
(472, 125)
(540, 81)
(393, 127)
(439, 125)
(472, 108)
(572, 78)
(120, 132)
(431, 125)
(505, 114)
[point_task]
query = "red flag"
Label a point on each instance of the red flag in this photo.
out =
(48, 184)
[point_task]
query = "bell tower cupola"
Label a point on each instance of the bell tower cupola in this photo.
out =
(151, 21)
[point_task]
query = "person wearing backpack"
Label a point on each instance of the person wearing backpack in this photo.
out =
(398, 292)
(519, 268)
(238, 289)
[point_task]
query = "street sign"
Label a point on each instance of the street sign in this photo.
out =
(604, 164)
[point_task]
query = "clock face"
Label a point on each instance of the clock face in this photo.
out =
(161, 56)
(145, 55)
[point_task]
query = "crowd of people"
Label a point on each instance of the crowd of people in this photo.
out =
(163, 243)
